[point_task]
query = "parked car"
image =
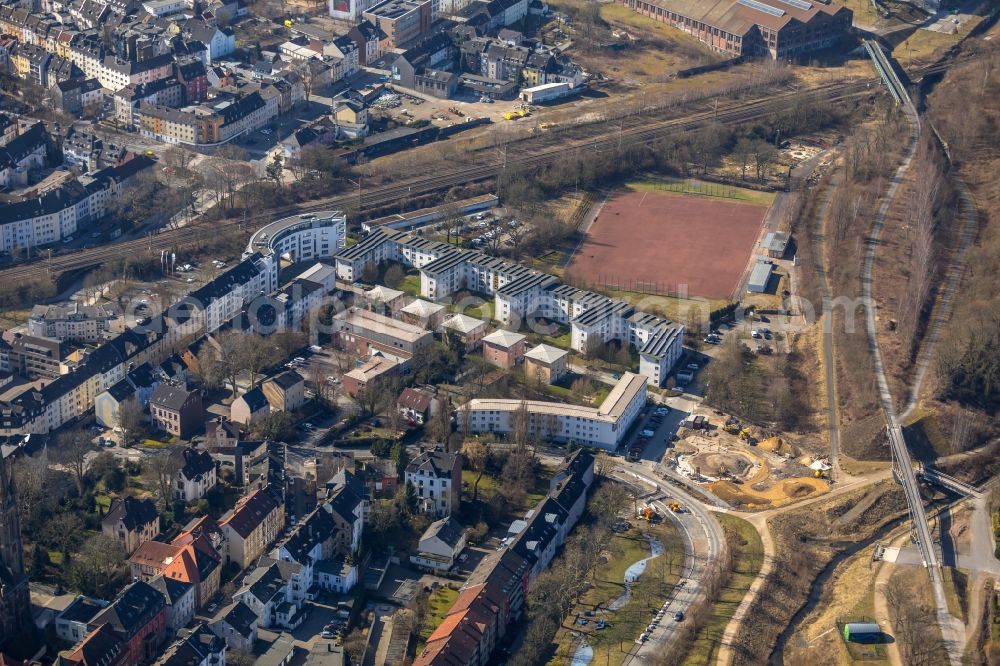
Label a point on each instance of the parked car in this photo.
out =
(678, 616)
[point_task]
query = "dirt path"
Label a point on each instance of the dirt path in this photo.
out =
(759, 521)
(882, 608)
(943, 306)
(829, 362)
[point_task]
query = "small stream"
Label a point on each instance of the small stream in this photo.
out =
(584, 652)
(819, 585)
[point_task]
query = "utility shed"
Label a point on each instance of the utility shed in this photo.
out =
(776, 244)
(760, 276)
(862, 632)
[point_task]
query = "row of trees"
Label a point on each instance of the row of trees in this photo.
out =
(559, 588)
(223, 358)
(60, 518)
(757, 389)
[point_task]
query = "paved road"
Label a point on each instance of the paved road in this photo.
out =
(703, 543)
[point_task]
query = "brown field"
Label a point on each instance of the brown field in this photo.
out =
(660, 242)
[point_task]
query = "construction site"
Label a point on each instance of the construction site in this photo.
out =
(745, 468)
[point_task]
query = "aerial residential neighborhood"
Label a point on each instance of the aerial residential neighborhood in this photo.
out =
(473, 332)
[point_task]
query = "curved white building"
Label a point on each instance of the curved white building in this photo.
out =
(303, 237)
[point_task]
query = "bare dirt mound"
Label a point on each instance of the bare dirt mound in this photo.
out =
(760, 496)
(722, 464)
(779, 447)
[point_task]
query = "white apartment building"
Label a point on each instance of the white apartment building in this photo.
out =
(86, 323)
(305, 237)
(519, 291)
(61, 212)
(603, 426)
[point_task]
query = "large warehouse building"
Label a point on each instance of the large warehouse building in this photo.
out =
(779, 28)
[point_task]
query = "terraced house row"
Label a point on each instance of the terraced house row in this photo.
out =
(47, 405)
(520, 292)
(492, 599)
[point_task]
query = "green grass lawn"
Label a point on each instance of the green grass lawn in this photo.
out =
(559, 391)
(438, 604)
(411, 285)
(563, 340)
(671, 307)
(600, 394)
(490, 484)
(925, 43)
(625, 624)
(702, 188)
(483, 311)
(747, 560)
(12, 318)
(487, 484)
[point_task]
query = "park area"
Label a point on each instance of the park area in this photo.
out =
(671, 238)
(637, 574)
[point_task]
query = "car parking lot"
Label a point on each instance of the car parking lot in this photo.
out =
(654, 435)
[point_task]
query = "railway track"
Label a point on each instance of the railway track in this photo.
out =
(637, 130)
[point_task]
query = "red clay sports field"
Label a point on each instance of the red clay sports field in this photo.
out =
(658, 241)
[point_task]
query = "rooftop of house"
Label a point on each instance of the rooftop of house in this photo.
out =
(170, 397)
(381, 325)
(255, 400)
(503, 338)
(448, 530)
(436, 463)
(422, 308)
(132, 609)
(133, 513)
(82, 610)
(251, 511)
(286, 380)
(416, 399)
(241, 618)
(546, 354)
(464, 324)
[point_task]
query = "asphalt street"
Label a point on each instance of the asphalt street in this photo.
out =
(703, 543)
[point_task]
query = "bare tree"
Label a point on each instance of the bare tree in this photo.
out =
(764, 155)
(164, 466)
(440, 425)
(131, 421)
(744, 152)
(72, 447)
(369, 398)
(520, 424)
(257, 353)
(476, 454)
(921, 212)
